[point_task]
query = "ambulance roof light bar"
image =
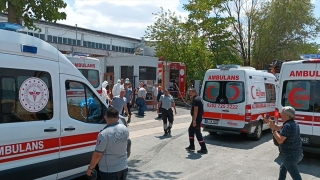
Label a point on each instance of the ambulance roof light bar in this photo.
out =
(10, 26)
(310, 58)
(79, 54)
(228, 66)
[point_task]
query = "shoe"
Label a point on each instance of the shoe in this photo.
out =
(169, 130)
(189, 148)
(165, 134)
(202, 151)
(129, 120)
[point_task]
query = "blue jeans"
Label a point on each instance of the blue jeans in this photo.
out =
(290, 164)
(142, 106)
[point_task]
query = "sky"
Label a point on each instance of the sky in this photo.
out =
(124, 17)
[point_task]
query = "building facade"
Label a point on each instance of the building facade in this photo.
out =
(110, 49)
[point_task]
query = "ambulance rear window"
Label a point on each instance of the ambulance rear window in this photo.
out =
(91, 75)
(224, 92)
(298, 94)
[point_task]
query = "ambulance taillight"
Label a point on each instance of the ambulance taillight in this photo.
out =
(248, 113)
(276, 113)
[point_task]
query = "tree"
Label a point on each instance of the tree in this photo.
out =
(284, 30)
(244, 12)
(30, 10)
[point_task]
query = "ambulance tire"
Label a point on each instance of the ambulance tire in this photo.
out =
(213, 133)
(258, 132)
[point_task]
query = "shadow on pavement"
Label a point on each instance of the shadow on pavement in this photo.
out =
(134, 173)
(308, 165)
(240, 141)
(193, 155)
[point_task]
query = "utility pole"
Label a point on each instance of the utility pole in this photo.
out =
(76, 36)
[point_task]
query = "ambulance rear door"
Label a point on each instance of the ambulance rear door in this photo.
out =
(316, 119)
(298, 90)
(211, 92)
(233, 101)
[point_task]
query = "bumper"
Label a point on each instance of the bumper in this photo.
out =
(314, 144)
(248, 128)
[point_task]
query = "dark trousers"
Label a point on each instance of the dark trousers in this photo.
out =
(167, 115)
(196, 130)
(129, 106)
(290, 164)
(120, 175)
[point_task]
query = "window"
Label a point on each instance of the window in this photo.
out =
(100, 46)
(224, 92)
(23, 32)
(110, 69)
(147, 73)
(104, 46)
(78, 42)
(85, 44)
(55, 39)
(30, 33)
(113, 48)
(25, 96)
(303, 95)
(65, 41)
(74, 42)
(42, 36)
(49, 38)
(127, 72)
(270, 93)
(93, 44)
(89, 44)
(91, 75)
(122, 49)
(86, 107)
(60, 40)
(36, 35)
(70, 41)
(108, 46)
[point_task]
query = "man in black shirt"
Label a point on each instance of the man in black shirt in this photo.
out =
(196, 113)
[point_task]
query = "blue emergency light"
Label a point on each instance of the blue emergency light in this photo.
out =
(80, 54)
(29, 49)
(310, 56)
(228, 66)
(10, 26)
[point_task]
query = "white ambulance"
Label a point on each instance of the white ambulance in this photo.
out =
(300, 88)
(236, 98)
(89, 67)
(42, 134)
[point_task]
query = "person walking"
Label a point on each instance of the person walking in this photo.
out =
(120, 102)
(142, 93)
(160, 93)
(289, 142)
(196, 113)
(105, 93)
(111, 149)
(166, 103)
(154, 96)
(129, 99)
(116, 88)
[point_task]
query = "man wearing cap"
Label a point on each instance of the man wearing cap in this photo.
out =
(111, 149)
(142, 93)
(166, 102)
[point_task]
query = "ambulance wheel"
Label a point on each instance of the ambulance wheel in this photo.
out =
(258, 132)
(213, 133)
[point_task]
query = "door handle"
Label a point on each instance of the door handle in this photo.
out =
(69, 129)
(50, 130)
(225, 110)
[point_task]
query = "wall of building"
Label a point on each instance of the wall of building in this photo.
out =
(71, 39)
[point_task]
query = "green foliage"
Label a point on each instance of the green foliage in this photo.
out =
(283, 30)
(30, 10)
(201, 41)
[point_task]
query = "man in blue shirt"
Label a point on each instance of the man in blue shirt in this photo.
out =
(120, 102)
(289, 142)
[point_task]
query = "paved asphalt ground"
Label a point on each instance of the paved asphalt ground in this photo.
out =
(230, 157)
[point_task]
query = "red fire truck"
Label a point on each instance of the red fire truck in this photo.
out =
(172, 75)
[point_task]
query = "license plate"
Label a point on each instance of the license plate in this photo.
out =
(211, 121)
(305, 140)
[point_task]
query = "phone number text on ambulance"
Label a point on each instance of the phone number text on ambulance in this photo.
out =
(228, 106)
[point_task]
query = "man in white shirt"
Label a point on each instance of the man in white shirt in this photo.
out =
(154, 96)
